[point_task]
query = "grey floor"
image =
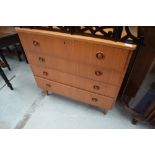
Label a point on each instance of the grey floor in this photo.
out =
(27, 107)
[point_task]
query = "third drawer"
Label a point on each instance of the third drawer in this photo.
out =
(76, 81)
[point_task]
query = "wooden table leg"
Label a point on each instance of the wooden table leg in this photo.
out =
(18, 53)
(5, 79)
(24, 53)
(4, 60)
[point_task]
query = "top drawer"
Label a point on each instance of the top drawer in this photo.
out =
(44, 44)
(76, 50)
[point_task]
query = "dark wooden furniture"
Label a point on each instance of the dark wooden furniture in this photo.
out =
(6, 40)
(8, 36)
(141, 66)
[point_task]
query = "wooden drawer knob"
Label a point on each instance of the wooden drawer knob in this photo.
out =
(100, 55)
(98, 73)
(41, 59)
(96, 87)
(48, 85)
(94, 99)
(35, 43)
(45, 73)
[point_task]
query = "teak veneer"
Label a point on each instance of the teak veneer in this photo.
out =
(87, 69)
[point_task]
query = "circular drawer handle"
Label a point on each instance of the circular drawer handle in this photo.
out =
(35, 43)
(96, 87)
(45, 73)
(94, 99)
(98, 73)
(100, 55)
(41, 59)
(48, 85)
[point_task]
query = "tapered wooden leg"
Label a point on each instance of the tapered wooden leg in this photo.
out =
(105, 111)
(45, 92)
(134, 121)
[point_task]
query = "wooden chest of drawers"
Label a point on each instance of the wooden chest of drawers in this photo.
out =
(87, 69)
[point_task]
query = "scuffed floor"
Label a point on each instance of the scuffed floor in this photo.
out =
(27, 107)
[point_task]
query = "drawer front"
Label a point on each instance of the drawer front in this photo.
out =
(76, 81)
(75, 93)
(79, 51)
(101, 55)
(44, 44)
(87, 71)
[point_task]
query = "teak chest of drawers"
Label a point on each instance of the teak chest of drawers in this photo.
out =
(86, 69)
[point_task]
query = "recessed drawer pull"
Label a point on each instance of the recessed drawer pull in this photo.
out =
(48, 85)
(35, 43)
(94, 99)
(98, 73)
(41, 59)
(100, 55)
(45, 73)
(96, 87)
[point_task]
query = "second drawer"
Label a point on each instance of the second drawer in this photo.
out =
(76, 81)
(87, 71)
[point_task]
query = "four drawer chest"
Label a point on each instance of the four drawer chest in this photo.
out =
(83, 68)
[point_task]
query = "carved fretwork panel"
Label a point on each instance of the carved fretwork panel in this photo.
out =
(115, 33)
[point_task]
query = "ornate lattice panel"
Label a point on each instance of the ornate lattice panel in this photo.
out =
(106, 32)
(115, 33)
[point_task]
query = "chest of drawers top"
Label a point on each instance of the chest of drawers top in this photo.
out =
(76, 37)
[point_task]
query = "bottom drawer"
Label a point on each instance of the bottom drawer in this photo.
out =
(75, 93)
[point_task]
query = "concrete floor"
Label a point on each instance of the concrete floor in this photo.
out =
(27, 107)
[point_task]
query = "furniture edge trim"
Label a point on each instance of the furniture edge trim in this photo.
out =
(79, 37)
